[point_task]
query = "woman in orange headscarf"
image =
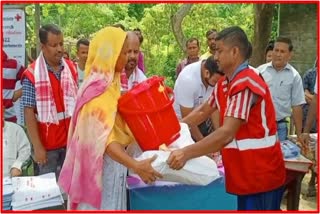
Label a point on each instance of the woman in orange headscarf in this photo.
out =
(98, 135)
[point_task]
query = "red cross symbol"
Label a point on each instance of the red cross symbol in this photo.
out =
(18, 17)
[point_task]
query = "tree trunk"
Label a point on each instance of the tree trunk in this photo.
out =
(37, 27)
(176, 21)
(262, 31)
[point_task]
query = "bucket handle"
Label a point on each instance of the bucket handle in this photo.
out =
(169, 90)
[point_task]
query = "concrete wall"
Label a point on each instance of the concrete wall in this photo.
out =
(299, 23)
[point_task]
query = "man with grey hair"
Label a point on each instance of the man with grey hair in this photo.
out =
(286, 87)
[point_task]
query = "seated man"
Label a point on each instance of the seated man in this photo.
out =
(16, 149)
(132, 75)
(193, 86)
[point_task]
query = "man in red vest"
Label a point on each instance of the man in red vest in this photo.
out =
(49, 87)
(251, 152)
(11, 74)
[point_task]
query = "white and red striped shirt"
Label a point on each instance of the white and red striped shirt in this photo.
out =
(238, 105)
(12, 71)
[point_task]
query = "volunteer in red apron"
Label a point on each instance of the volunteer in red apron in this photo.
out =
(251, 152)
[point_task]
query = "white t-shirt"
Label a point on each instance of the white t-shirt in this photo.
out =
(189, 90)
(80, 75)
(16, 147)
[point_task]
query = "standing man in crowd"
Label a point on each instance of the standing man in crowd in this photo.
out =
(309, 80)
(269, 51)
(82, 54)
(193, 48)
(49, 88)
(247, 136)
(211, 41)
(141, 54)
(131, 74)
(286, 87)
(311, 118)
(192, 88)
(12, 71)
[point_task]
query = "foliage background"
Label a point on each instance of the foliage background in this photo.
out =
(162, 52)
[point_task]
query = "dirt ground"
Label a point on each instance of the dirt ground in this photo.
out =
(306, 203)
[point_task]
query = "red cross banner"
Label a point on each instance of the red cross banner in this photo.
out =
(14, 33)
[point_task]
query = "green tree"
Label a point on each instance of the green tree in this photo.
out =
(160, 46)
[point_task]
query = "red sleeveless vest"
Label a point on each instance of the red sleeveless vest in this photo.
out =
(253, 161)
(53, 136)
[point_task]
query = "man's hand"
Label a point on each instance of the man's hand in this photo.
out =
(308, 96)
(304, 139)
(40, 155)
(177, 159)
(15, 172)
(145, 170)
(16, 95)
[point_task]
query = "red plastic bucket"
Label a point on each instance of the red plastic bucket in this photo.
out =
(147, 108)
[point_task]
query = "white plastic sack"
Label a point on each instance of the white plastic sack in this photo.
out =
(197, 171)
(184, 140)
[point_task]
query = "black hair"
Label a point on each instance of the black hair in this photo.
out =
(235, 36)
(209, 32)
(83, 42)
(270, 46)
(140, 36)
(44, 30)
(285, 40)
(191, 40)
(118, 25)
(212, 66)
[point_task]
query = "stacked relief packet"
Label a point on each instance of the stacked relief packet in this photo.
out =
(7, 193)
(35, 192)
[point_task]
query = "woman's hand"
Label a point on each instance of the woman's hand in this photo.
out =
(146, 172)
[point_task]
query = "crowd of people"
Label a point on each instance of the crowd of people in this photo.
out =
(74, 128)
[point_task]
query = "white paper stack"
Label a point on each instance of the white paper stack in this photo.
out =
(7, 193)
(35, 192)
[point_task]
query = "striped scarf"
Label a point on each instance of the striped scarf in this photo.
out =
(125, 81)
(46, 107)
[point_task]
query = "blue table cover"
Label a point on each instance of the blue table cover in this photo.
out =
(181, 197)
